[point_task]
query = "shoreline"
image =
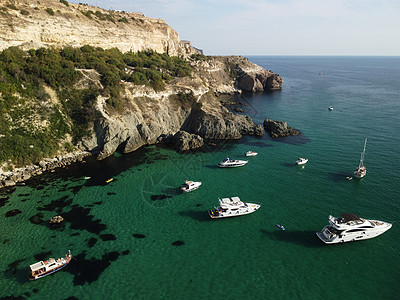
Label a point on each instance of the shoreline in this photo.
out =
(19, 175)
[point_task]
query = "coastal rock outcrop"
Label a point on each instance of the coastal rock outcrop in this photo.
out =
(252, 79)
(279, 128)
(187, 107)
(184, 141)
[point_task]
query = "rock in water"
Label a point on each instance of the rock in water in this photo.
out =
(183, 141)
(279, 128)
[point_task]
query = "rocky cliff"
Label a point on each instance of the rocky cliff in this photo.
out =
(186, 111)
(189, 104)
(52, 23)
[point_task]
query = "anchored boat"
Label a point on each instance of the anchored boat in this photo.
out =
(50, 266)
(231, 163)
(189, 186)
(232, 207)
(361, 170)
(349, 228)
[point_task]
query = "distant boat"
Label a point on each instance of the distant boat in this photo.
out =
(109, 180)
(251, 153)
(330, 107)
(361, 170)
(231, 163)
(280, 227)
(50, 266)
(189, 186)
(301, 161)
(87, 177)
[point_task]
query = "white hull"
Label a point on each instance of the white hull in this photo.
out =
(50, 266)
(233, 165)
(190, 186)
(302, 161)
(251, 207)
(363, 230)
(251, 153)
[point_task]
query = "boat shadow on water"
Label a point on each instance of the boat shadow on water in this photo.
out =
(198, 215)
(303, 238)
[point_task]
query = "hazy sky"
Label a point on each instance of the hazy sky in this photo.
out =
(277, 27)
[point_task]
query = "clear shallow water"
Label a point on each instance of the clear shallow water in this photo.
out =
(125, 234)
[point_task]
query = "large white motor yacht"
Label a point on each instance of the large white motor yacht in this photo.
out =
(230, 163)
(232, 207)
(349, 228)
(189, 186)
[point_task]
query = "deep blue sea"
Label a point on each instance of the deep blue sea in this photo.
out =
(137, 237)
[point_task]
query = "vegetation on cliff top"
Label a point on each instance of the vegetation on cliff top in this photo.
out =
(34, 125)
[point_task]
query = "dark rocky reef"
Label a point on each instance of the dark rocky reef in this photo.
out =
(279, 128)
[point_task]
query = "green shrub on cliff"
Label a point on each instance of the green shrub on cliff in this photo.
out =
(65, 2)
(34, 125)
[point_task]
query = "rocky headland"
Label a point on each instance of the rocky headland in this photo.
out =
(185, 113)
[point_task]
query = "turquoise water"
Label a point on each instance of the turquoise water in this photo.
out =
(138, 238)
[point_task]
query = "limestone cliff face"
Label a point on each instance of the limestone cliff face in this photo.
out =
(50, 23)
(188, 109)
(189, 104)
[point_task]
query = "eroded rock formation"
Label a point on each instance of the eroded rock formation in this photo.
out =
(279, 128)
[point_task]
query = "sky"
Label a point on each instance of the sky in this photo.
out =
(276, 27)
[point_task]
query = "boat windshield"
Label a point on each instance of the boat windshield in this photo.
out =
(334, 230)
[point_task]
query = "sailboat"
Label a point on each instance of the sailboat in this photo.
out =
(361, 170)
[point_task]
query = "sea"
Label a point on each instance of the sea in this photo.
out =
(139, 237)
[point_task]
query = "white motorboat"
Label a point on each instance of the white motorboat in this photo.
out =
(349, 228)
(301, 161)
(50, 266)
(189, 186)
(361, 170)
(232, 207)
(330, 107)
(251, 153)
(231, 163)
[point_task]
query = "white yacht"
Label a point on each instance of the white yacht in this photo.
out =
(349, 228)
(189, 186)
(44, 268)
(301, 161)
(232, 207)
(251, 153)
(361, 170)
(231, 163)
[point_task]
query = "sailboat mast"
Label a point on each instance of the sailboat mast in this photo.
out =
(363, 153)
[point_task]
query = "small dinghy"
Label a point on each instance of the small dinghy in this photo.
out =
(251, 153)
(301, 161)
(280, 227)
